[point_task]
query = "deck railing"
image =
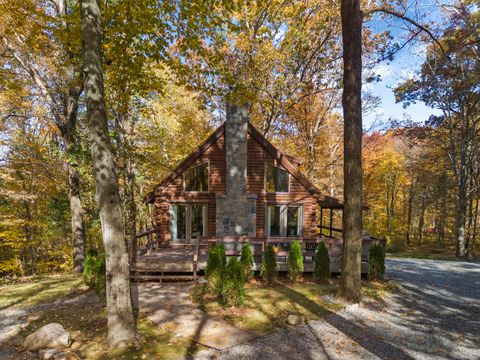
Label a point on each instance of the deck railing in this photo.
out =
(143, 241)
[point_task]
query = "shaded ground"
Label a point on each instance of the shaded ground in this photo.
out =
(435, 315)
(171, 307)
(26, 306)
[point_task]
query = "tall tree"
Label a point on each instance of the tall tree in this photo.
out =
(447, 82)
(121, 324)
(58, 82)
(350, 282)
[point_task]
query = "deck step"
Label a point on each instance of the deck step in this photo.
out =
(162, 277)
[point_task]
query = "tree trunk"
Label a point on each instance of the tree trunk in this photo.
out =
(421, 219)
(409, 214)
(460, 221)
(76, 210)
(442, 210)
(121, 325)
(471, 245)
(350, 282)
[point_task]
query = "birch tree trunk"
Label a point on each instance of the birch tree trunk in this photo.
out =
(121, 325)
(350, 281)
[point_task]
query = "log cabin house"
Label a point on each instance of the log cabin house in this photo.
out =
(237, 187)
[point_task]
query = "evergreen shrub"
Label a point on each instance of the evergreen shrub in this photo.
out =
(268, 270)
(321, 263)
(376, 261)
(295, 261)
(233, 284)
(89, 268)
(246, 261)
(216, 262)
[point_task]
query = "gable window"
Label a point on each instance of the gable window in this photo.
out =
(284, 220)
(196, 178)
(187, 221)
(276, 179)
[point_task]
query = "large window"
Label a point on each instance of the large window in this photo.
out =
(284, 220)
(187, 221)
(276, 179)
(196, 178)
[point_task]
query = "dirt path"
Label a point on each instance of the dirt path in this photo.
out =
(435, 315)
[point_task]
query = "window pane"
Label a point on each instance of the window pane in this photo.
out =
(196, 178)
(197, 219)
(269, 178)
(181, 221)
(282, 180)
(276, 179)
(274, 217)
(293, 218)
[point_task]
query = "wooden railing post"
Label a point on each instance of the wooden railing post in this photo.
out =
(195, 259)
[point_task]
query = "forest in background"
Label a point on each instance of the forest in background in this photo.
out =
(167, 67)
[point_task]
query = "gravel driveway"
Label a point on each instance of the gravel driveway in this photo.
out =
(435, 315)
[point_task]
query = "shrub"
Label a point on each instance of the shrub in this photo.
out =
(376, 261)
(246, 260)
(233, 290)
(321, 263)
(216, 261)
(395, 244)
(269, 265)
(89, 268)
(100, 278)
(295, 261)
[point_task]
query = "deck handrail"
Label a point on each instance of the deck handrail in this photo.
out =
(134, 243)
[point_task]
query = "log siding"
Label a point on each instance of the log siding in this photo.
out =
(213, 152)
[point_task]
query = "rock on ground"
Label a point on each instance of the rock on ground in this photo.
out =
(50, 336)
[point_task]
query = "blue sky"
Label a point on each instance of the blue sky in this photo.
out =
(405, 64)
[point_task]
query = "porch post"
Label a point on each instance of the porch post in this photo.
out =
(331, 222)
(321, 220)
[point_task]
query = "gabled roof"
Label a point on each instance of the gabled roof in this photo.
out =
(284, 160)
(185, 163)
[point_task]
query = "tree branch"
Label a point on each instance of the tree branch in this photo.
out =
(409, 20)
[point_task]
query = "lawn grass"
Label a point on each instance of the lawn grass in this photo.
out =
(87, 322)
(266, 308)
(426, 252)
(40, 289)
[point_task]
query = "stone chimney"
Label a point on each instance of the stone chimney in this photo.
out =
(236, 210)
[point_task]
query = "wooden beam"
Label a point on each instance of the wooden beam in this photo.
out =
(331, 222)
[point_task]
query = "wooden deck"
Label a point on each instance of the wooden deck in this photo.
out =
(185, 261)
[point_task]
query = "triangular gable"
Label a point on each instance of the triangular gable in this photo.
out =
(287, 164)
(281, 158)
(185, 163)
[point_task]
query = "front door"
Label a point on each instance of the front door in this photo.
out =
(187, 220)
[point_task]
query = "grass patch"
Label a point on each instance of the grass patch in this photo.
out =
(378, 289)
(426, 252)
(40, 289)
(266, 307)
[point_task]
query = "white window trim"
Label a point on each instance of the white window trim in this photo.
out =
(284, 220)
(188, 220)
(208, 179)
(265, 178)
